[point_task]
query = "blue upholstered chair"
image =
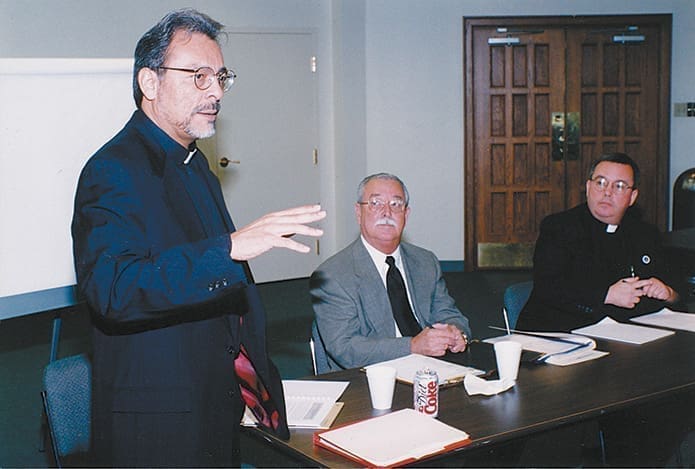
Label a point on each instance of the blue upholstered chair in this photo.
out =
(515, 297)
(318, 351)
(67, 403)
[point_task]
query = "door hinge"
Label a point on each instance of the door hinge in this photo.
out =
(313, 64)
(316, 156)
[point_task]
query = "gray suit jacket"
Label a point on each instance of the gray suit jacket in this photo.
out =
(353, 313)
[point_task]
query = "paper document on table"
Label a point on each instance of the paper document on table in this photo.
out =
(610, 329)
(556, 348)
(449, 373)
(309, 403)
(669, 319)
(393, 439)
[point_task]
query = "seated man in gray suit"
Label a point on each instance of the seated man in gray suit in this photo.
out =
(363, 312)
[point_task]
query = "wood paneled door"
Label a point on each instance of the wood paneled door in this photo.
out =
(543, 98)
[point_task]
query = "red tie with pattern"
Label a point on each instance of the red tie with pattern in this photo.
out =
(254, 392)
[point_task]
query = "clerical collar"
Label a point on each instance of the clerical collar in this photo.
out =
(192, 150)
(611, 228)
(171, 149)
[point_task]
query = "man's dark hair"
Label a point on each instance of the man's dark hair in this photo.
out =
(151, 49)
(620, 158)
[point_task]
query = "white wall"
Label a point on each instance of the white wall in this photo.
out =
(390, 82)
(38, 176)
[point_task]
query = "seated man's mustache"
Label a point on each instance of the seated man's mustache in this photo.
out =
(386, 221)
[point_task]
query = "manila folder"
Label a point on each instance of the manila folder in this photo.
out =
(393, 439)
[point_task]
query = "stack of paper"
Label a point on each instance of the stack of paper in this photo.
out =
(449, 373)
(610, 329)
(309, 404)
(669, 319)
(393, 439)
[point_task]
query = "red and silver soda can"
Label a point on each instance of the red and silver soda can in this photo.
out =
(426, 392)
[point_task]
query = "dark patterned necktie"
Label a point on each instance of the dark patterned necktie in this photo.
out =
(254, 392)
(399, 301)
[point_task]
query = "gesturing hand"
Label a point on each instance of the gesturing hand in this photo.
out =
(274, 230)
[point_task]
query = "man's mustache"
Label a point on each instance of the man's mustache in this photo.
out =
(214, 107)
(386, 221)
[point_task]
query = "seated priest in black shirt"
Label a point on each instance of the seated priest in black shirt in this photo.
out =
(598, 259)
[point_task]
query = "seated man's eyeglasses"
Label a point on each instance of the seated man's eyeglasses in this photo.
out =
(203, 77)
(377, 205)
(619, 187)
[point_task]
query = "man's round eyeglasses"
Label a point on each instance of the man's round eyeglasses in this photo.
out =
(203, 77)
(377, 205)
(619, 187)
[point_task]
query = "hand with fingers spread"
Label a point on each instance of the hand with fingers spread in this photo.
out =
(274, 230)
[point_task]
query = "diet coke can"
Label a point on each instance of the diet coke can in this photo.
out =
(426, 392)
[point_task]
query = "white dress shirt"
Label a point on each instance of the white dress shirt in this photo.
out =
(379, 259)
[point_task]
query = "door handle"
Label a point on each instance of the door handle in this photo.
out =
(572, 128)
(224, 161)
(565, 135)
(557, 121)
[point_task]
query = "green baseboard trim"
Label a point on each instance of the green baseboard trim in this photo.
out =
(452, 266)
(38, 301)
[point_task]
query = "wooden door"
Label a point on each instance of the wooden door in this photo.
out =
(616, 92)
(268, 130)
(544, 97)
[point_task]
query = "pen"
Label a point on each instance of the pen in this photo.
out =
(506, 321)
(632, 272)
(543, 358)
(543, 336)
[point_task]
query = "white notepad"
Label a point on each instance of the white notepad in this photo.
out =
(610, 329)
(449, 373)
(669, 319)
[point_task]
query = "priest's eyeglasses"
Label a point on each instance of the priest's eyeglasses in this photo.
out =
(203, 77)
(377, 205)
(619, 187)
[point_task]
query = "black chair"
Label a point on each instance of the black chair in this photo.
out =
(515, 298)
(67, 404)
(318, 351)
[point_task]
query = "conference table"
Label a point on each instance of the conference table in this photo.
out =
(545, 397)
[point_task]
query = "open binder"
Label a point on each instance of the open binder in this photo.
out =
(393, 439)
(308, 403)
(554, 348)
